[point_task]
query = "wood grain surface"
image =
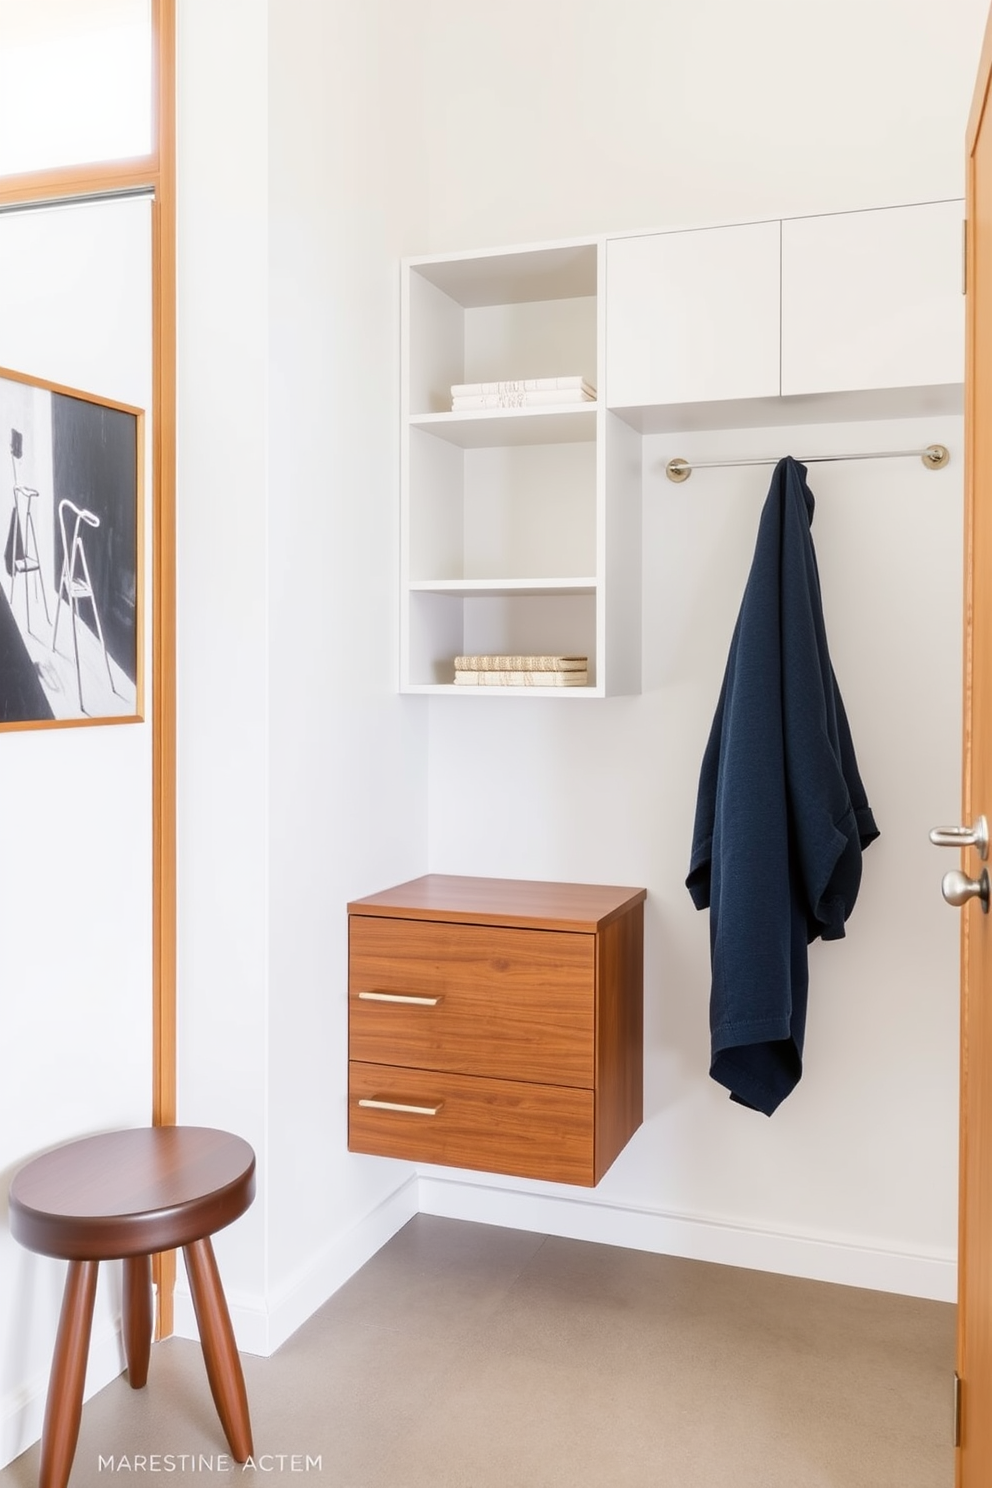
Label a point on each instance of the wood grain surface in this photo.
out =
(496, 1126)
(131, 1192)
(974, 1360)
(512, 1009)
(619, 1036)
(512, 1004)
(502, 901)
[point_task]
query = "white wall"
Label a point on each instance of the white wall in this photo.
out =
(222, 602)
(347, 755)
(548, 118)
(595, 119)
(365, 133)
(75, 870)
(854, 1178)
(302, 773)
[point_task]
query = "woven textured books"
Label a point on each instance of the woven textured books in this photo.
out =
(521, 671)
(521, 392)
(521, 663)
(523, 385)
(521, 679)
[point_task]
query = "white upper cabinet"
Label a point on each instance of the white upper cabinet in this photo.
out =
(693, 317)
(873, 299)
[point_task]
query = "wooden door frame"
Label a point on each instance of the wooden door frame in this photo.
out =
(980, 102)
(157, 171)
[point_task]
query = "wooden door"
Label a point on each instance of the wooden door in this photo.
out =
(974, 1458)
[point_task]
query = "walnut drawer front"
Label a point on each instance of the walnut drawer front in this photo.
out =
(497, 1126)
(488, 1001)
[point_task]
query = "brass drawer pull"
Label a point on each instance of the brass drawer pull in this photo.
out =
(399, 997)
(388, 1105)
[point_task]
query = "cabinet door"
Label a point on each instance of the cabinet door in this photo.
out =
(693, 316)
(873, 299)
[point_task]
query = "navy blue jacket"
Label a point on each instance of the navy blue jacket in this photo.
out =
(782, 816)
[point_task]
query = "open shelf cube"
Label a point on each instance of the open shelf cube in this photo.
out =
(506, 545)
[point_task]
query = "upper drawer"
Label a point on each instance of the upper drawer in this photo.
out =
(511, 1004)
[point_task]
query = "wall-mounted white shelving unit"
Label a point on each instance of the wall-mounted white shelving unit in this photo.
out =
(521, 526)
(508, 544)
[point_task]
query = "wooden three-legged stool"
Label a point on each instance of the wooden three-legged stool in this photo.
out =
(130, 1195)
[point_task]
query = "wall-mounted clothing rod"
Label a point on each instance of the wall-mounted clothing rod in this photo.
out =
(934, 457)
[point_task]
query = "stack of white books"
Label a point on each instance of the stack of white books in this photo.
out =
(521, 671)
(523, 392)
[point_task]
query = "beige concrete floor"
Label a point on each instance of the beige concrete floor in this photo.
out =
(467, 1356)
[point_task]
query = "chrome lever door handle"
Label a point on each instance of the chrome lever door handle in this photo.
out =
(957, 888)
(976, 836)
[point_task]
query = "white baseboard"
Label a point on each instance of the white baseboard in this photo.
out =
(22, 1410)
(260, 1329)
(933, 1276)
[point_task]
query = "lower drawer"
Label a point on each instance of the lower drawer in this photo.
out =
(461, 1121)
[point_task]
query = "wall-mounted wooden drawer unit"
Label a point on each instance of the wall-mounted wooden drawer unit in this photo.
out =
(497, 1024)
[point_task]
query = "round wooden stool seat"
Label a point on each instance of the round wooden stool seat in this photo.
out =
(129, 1195)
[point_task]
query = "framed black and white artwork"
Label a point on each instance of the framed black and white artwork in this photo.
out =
(70, 579)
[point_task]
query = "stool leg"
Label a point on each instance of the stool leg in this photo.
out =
(137, 1318)
(65, 1388)
(220, 1354)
